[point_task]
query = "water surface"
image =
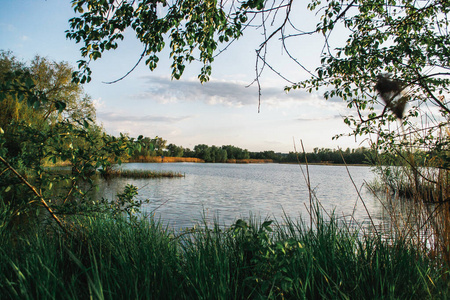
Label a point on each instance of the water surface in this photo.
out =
(231, 191)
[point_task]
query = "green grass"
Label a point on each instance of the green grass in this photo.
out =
(104, 257)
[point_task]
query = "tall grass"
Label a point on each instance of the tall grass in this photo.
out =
(106, 257)
(101, 258)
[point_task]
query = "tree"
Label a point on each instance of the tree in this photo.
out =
(234, 152)
(188, 153)
(218, 155)
(16, 79)
(174, 150)
(160, 145)
(57, 97)
(145, 147)
(54, 79)
(203, 151)
(38, 95)
(34, 131)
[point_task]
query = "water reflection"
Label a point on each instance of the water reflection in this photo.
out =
(231, 191)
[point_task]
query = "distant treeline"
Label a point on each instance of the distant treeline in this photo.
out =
(157, 147)
(360, 155)
(319, 155)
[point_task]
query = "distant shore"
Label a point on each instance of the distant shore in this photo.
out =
(170, 159)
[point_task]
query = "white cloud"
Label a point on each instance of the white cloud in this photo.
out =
(216, 92)
(123, 118)
(147, 125)
(308, 118)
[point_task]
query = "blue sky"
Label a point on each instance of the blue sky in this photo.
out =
(222, 111)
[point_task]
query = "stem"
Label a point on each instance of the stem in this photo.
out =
(359, 194)
(32, 188)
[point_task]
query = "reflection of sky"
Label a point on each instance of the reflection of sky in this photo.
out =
(222, 111)
(232, 191)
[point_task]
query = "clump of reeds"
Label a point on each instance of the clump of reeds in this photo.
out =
(141, 174)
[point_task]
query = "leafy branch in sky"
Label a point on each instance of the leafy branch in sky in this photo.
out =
(400, 41)
(193, 28)
(405, 41)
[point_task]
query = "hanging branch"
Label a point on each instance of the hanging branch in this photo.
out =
(132, 69)
(263, 46)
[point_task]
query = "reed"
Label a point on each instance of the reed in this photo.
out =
(106, 257)
(142, 174)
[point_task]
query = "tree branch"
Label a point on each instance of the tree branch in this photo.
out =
(430, 93)
(132, 69)
(33, 189)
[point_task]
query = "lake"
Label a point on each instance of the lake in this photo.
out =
(231, 191)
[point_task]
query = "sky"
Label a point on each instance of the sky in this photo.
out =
(223, 111)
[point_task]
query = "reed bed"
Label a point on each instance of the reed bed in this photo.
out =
(166, 159)
(249, 161)
(142, 174)
(105, 257)
(417, 200)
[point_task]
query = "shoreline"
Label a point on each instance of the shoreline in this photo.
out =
(169, 159)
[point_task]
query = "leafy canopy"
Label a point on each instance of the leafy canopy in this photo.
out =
(404, 40)
(193, 28)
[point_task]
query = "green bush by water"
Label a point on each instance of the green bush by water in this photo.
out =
(105, 257)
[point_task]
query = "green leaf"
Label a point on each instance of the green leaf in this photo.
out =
(60, 106)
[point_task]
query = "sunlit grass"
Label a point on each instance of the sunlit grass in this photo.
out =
(165, 159)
